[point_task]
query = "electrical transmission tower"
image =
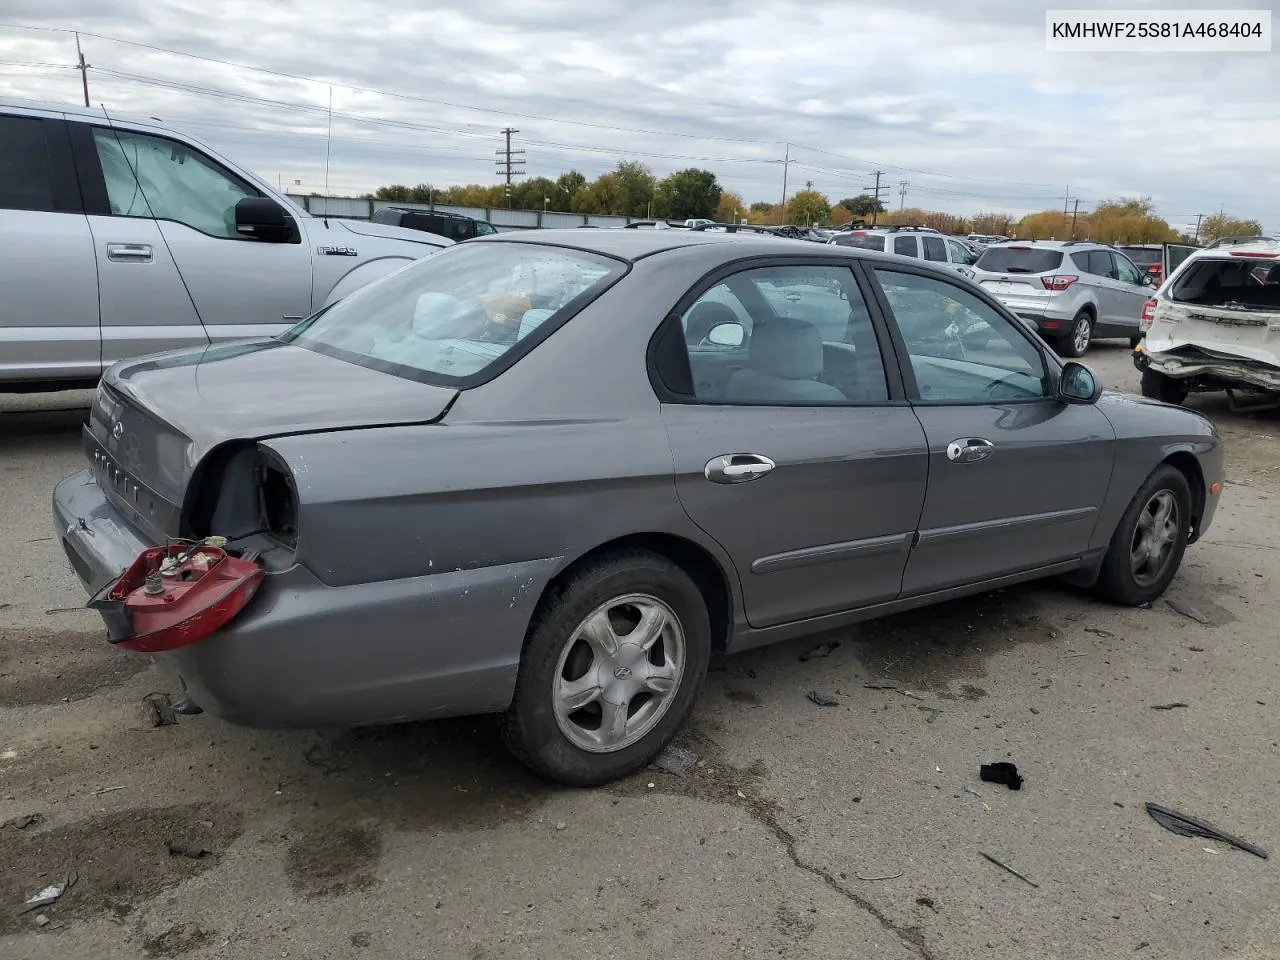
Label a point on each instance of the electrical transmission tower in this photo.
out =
(509, 161)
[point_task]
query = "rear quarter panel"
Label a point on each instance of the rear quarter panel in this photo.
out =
(1148, 433)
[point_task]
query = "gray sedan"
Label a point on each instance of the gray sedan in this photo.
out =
(547, 475)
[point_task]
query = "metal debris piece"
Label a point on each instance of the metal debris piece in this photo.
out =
(1169, 706)
(1189, 611)
(675, 760)
(50, 894)
(1006, 773)
(64, 610)
(821, 699)
(821, 650)
(1006, 867)
(887, 876)
(1185, 826)
(98, 793)
(913, 695)
(1101, 633)
(883, 685)
(193, 851)
(973, 791)
(159, 710)
(23, 821)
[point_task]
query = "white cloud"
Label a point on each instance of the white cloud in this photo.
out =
(957, 96)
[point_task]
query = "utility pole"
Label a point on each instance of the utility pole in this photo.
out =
(1075, 211)
(507, 161)
(808, 184)
(786, 163)
(1196, 238)
(876, 190)
(1066, 202)
(902, 193)
(84, 70)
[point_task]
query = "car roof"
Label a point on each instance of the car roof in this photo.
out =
(76, 110)
(1237, 250)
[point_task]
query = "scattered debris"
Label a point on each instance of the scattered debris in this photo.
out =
(98, 793)
(1185, 826)
(1196, 649)
(933, 712)
(193, 851)
(1035, 711)
(23, 821)
(1096, 631)
(883, 685)
(50, 894)
(1188, 611)
(1006, 773)
(1142, 946)
(926, 902)
(1145, 605)
(1170, 706)
(41, 920)
(317, 756)
(158, 710)
(52, 610)
(887, 876)
(973, 791)
(1005, 866)
(913, 695)
(675, 760)
(562, 826)
(821, 650)
(821, 699)
(187, 707)
(5, 606)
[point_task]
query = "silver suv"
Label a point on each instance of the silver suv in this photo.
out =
(123, 237)
(923, 243)
(1072, 290)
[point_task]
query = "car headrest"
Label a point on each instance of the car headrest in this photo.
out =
(787, 348)
(704, 317)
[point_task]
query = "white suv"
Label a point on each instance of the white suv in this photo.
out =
(923, 243)
(122, 237)
(1215, 325)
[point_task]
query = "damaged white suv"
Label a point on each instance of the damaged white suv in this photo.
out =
(1215, 325)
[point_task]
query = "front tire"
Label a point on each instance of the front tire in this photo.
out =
(1076, 342)
(612, 665)
(1159, 387)
(1147, 546)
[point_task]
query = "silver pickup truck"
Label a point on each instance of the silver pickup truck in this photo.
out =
(122, 237)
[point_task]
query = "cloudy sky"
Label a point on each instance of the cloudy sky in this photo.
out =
(957, 97)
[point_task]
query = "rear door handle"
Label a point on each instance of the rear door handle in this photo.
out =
(969, 450)
(129, 252)
(737, 467)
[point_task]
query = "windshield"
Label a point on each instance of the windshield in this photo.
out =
(1143, 256)
(453, 314)
(1019, 260)
(866, 241)
(1243, 283)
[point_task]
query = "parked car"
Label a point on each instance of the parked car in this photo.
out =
(576, 502)
(123, 237)
(1159, 260)
(1073, 290)
(1215, 325)
(455, 226)
(909, 241)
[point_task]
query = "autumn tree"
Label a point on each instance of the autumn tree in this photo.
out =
(731, 207)
(687, 194)
(942, 222)
(1131, 220)
(863, 205)
(840, 214)
(1220, 225)
(808, 206)
(1045, 225)
(395, 192)
(991, 224)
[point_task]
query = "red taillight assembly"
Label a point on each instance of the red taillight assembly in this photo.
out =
(1148, 313)
(1059, 281)
(1254, 255)
(176, 595)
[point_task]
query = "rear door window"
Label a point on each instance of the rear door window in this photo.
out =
(1101, 264)
(934, 249)
(959, 252)
(905, 246)
(26, 168)
(1019, 260)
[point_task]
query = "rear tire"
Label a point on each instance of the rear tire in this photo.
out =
(583, 716)
(1076, 342)
(1159, 387)
(1134, 341)
(1147, 546)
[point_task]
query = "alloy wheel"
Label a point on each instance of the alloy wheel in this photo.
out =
(1154, 538)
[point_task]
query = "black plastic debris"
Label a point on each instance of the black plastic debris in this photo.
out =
(821, 650)
(675, 760)
(193, 851)
(1185, 826)
(1006, 773)
(883, 685)
(1188, 611)
(1004, 866)
(1170, 706)
(822, 700)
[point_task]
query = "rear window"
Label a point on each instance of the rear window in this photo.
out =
(1143, 256)
(1247, 283)
(450, 316)
(867, 241)
(1019, 260)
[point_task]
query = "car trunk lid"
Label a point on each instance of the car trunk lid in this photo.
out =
(154, 420)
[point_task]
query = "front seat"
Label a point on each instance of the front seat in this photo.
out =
(784, 359)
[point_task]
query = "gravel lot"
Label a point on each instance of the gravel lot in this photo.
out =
(844, 832)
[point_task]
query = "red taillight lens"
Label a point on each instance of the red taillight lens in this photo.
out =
(1148, 313)
(1254, 256)
(1059, 281)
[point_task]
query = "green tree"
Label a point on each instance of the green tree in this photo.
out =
(635, 189)
(1220, 225)
(422, 193)
(808, 206)
(761, 207)
(687, 194)
(602, 196)
(567, 185)
(863, 205)
(533, 194)
(992, 224)
(396, 192)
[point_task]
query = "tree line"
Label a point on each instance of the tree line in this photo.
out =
(631, 190)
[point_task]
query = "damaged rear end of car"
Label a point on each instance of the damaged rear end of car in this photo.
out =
(1215, 326)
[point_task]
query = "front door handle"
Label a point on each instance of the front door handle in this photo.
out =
(129, 252)
(737, 467)
(969, 450)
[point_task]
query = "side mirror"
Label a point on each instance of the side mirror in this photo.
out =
(726, 335)
(264, 219)
(1148, 280)
(1077, 384)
